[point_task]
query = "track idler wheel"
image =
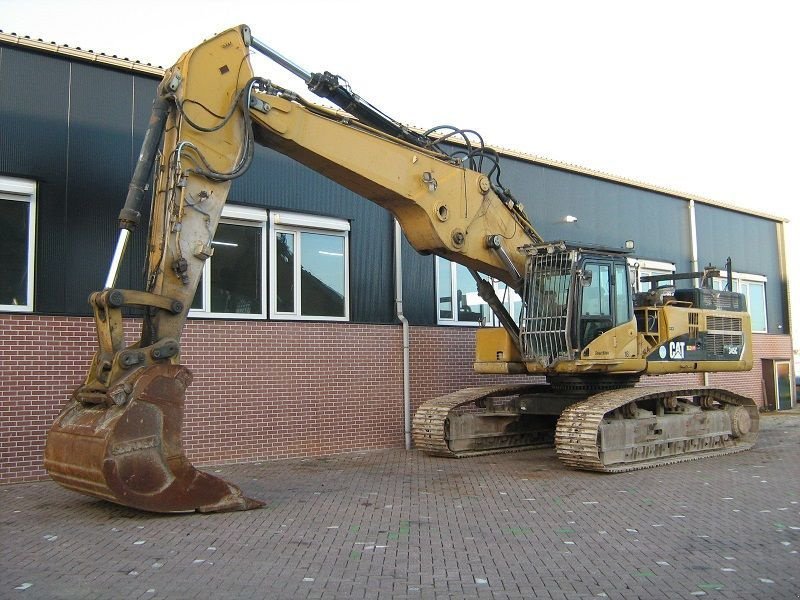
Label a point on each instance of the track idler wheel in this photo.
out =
(741, 423)
(132, 454)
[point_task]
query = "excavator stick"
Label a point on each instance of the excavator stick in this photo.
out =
(132, 454)
(119, 436)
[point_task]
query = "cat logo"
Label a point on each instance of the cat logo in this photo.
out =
(677, 350)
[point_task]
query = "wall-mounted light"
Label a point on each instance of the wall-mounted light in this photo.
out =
(629, 244)
(570, 219)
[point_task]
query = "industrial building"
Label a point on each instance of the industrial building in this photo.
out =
(308, 360)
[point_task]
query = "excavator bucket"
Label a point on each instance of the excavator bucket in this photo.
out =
(132, 454)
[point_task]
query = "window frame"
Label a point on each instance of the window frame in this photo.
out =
(641, 267)
(504, 293)
(749, 279)
(18, 189)
(281, 221)
(243, 216)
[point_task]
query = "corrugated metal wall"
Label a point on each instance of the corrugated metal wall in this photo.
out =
(753, 245)
(34, 100)
(276, 182)
(77, 128)
(608, 213)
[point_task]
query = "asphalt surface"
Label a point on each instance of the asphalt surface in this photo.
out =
(396, 524)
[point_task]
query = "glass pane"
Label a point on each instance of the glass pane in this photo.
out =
(645, 286)
(516, 307)
(756, 304)
(471, 308)
(236, 270)
(783, 378)
(323, 275)
(284, 272)
(721, 283)
(444, 288)
(553, 295)
(622, 295)
(596, 295)
(510, 299)
(14, 252)
(197, 302)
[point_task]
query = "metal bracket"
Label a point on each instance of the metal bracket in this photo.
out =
(259, 105)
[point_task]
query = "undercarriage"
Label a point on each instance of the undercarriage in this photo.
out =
(611, 431)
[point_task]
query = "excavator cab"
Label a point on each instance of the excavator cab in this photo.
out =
(574, 297)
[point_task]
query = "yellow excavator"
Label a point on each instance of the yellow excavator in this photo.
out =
(581, 328)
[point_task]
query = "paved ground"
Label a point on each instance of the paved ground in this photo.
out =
(395, 524)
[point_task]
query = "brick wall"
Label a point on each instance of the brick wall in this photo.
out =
(262, 390)
(41, 358)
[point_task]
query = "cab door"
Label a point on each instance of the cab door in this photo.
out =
(605, 299)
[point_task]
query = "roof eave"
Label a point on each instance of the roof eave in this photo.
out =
(148, 69)
(84, 55)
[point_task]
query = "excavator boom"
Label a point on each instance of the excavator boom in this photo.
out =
(119, 436)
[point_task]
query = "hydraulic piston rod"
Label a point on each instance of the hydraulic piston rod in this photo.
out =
(334, 88)
(131, 212)
(281, 60)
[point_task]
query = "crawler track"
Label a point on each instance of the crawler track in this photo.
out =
(430, 425)
(581, 427)
(596, 433)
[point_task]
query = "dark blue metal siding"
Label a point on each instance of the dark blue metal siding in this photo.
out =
(34, 92)
(77, 128)
(99, 169)
(131, 272)
(608, 213)
(277, 182)
(419, 286)
(752, 244)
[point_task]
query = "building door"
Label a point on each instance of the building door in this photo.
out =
(783, 384)
(778, 384)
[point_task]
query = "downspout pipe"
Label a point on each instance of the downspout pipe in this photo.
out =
(694, 261)
(398, 302)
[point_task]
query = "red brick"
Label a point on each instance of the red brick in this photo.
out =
(263, 389)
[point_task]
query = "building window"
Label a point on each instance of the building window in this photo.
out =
(644, 268)
(309, 267)
(754, 289)
(233, 284)
(17, 243)
(622, 296)
(458, 302)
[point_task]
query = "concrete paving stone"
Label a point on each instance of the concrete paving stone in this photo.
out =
(396, 524)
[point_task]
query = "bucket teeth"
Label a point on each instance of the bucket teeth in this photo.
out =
(132, 454)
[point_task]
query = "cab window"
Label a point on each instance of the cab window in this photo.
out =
(605, 299)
